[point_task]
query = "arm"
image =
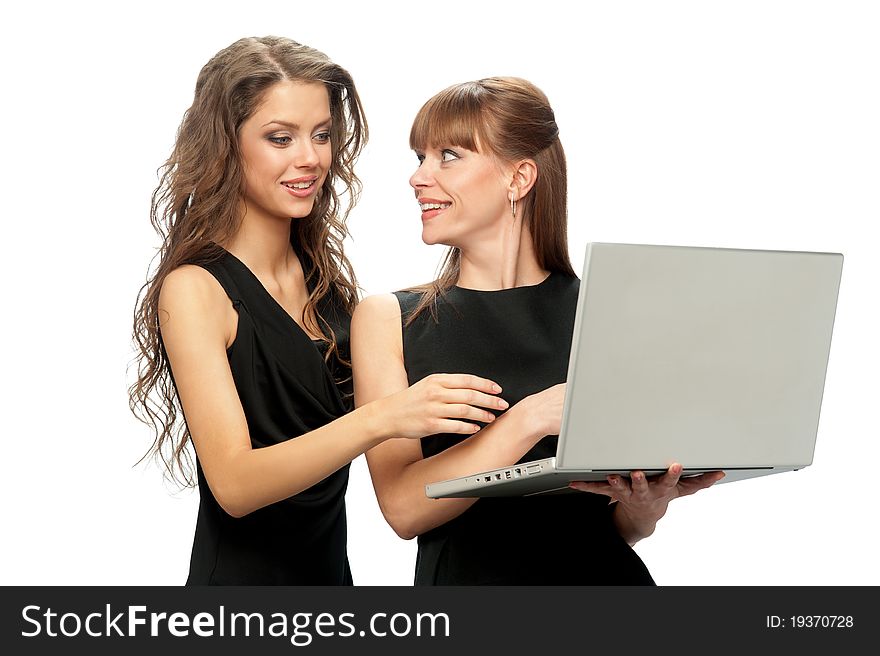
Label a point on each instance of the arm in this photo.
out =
(198, 323)
(398, 470)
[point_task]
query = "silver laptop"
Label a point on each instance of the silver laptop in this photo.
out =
(711, 357)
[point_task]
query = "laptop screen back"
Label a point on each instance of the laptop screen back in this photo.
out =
(714, 358)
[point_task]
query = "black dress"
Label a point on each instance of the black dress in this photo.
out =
(519, 338)
(286, 389)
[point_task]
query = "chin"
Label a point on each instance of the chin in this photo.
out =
(432, 237)
(300, 211)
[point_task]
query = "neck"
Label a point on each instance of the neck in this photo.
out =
(263, 244)
(501, 261)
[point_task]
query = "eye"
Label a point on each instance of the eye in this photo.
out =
(279, 140)
(447, 155)
(322, 137)
(420, 157)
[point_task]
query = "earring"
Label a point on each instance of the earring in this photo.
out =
(513, 206)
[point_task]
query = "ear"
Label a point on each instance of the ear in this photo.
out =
(523, 176)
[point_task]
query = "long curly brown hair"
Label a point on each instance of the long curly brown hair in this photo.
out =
(512, 119)
(196, 206)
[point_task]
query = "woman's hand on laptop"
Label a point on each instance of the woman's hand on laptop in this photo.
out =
(642, 501)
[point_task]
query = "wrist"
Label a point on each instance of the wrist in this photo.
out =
(374, 422)
(528, 419)
(632, 527)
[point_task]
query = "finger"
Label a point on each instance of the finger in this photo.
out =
(585, 486)
(712, 477)
(620, 487)
(459, 427)
(639, 483)
(672, 475)
(709, 478)
(461, 411)
(697, 483)
(469, 381)
(594, 487)
(472, 397)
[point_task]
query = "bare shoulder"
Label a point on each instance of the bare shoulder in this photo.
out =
(375, 326)
(189, 284)
(192, 302)
(376, 312)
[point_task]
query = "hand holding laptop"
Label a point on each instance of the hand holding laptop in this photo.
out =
(642, 500)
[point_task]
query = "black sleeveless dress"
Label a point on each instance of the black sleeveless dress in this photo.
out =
(286, 389)
(520, 338)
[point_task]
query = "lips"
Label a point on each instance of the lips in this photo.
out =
(301, 187)
(431, 207)
(300, 183)
(433, 204)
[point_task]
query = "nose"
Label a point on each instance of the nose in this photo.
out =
(305, 155)
(422, 177)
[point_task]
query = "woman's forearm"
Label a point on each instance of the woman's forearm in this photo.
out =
(254, 478)
(501, 443)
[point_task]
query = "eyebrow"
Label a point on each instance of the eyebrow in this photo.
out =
(294, 126)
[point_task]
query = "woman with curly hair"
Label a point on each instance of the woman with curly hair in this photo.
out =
(242, 329)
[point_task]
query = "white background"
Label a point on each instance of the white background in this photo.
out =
(738, 124)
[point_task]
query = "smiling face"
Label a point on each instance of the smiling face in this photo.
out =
(286, 151)
(462, 194)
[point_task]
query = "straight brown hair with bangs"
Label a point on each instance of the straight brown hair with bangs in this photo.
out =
(510, 118)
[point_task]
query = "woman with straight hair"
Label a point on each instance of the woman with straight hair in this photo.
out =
(244, 324)
(491, 184)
